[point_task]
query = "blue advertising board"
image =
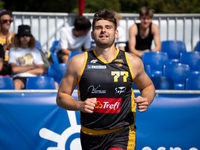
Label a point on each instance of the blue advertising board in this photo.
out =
(33, 121)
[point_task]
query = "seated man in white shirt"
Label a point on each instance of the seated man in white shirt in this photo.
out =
(73, 38)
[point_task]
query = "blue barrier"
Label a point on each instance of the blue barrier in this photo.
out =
(30, 121)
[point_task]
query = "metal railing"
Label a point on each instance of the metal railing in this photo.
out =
(46, 26)
(135, 91)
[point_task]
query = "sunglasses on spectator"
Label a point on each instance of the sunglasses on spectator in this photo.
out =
(6, 20)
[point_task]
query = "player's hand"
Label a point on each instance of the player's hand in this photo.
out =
(88, 105)
(142, 103)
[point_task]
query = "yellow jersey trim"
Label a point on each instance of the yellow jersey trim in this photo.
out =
(83, 68)
(104, 60)
(98, 132)
(133, 105)
(129, 65)
(132, 138)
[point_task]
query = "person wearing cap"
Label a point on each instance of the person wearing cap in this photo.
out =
(141, 34)
(24, 59)
(6, 36)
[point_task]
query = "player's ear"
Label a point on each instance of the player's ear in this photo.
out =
(116, 33)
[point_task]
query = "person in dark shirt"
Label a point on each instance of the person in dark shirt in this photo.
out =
(142, 34)
(3, 70)
(104, 79)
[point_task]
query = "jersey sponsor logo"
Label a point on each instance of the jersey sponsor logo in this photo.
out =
(95, 67)
(93, 61)
(120, 90)
(108, 105)
(95, 90)
(119, 62)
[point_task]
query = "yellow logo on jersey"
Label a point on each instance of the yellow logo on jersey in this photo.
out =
(98, 105)
(117, 74)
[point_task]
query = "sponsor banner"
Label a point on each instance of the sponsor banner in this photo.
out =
(108, 105)
(33, 121)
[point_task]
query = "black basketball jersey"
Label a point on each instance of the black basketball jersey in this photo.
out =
(111, 83)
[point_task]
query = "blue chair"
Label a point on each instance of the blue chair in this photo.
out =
(54, 58)
(198, 46)
(38, 45)
(178, 72)
(163, 83)
(54, 44)
(192, 59)
(6, 83)
(57, 71)
(193, 83)
(72, 54)
(173, 49)
(40, 82)
(156, 60)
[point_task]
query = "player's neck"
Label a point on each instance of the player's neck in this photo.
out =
(106, 54)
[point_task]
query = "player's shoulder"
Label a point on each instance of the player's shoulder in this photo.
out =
(77, 58)
(75, 64)
(134, 60)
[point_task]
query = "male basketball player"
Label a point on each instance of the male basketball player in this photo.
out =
(104, 80)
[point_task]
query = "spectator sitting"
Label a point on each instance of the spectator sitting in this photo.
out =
(73, 38)
(120, 42)
(5, 36)
(142, 34)
(25, 61)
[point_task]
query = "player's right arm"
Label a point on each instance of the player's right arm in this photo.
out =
(132, 40)
(67, 85)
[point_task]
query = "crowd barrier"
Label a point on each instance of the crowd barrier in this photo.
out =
(46, 26)
(31, 120)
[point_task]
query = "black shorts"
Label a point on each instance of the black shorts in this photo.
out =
(123, 139)
(23, 79)
(60, 54)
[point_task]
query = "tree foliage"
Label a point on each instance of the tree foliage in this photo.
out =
(91, 6)
(1, 4)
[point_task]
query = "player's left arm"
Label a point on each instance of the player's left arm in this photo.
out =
(144, 84)
(156, 37)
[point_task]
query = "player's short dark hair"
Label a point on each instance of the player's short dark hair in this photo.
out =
(82, 23)
(104, 14)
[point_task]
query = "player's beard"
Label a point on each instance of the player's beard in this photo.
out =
(104, 43)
